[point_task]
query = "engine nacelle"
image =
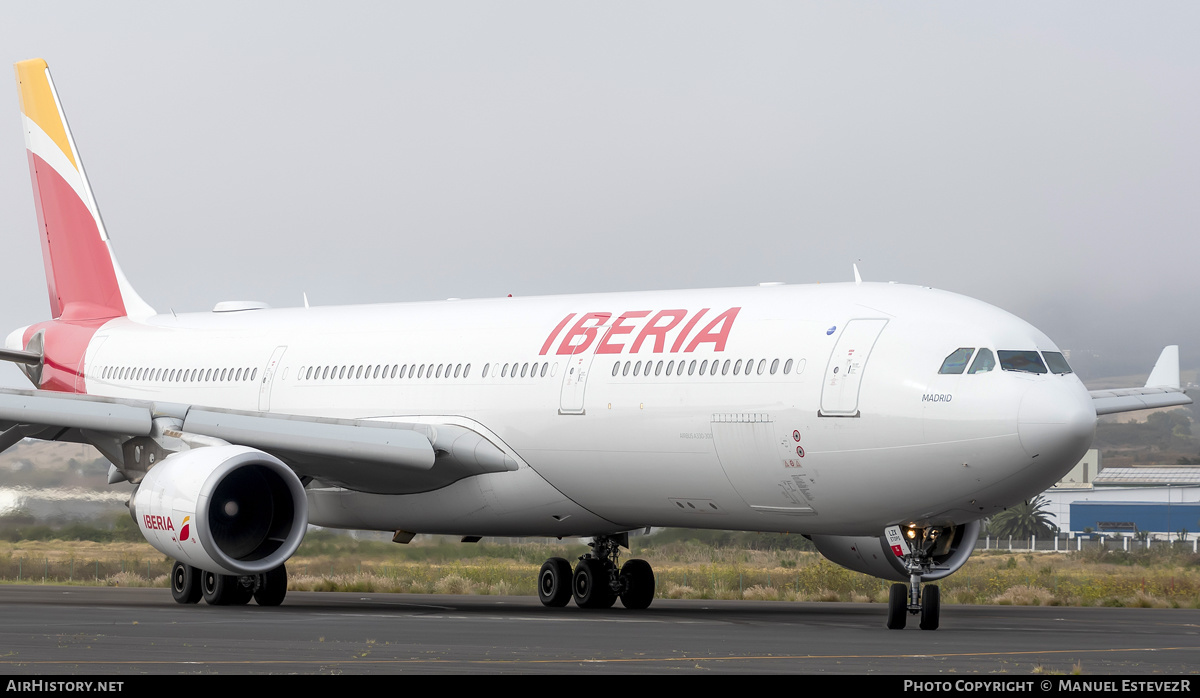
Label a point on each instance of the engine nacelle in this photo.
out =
(872, 555)
(227, 509)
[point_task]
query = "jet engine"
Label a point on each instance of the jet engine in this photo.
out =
(872, 555)
(227, 509)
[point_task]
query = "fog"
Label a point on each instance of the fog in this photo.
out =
(1043, 157)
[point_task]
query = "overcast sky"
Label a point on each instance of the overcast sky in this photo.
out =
(1043, 157)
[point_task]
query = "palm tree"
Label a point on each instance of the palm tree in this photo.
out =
(1029, 518)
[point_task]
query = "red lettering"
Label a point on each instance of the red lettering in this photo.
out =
(157, 523)
(557, 329)
(569, 347)
(659, 332)
(687, 330)
(711, 334)
(618, 328)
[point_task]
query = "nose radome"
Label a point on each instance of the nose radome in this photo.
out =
(1056, 420)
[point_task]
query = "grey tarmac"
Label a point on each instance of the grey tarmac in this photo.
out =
(55, 630)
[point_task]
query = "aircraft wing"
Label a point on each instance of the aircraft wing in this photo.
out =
(384, 457)
(1161, 389)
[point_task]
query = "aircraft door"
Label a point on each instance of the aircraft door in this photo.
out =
(843, 375)
(579, 364)
(268, 377)
(760, 466)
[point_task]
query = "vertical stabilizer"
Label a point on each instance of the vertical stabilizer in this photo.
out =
(82, 275)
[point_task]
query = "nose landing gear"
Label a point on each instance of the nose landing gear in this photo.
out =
(915, 554)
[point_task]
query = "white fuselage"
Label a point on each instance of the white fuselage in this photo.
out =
(882, 439)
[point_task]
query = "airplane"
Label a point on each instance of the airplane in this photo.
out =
(882, 421)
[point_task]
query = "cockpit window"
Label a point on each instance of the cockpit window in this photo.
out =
(1057, 363)
(957, 362)
(984, 362)
(1022, 361)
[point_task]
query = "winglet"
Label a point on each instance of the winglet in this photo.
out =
(82, 274)
(1166, 369)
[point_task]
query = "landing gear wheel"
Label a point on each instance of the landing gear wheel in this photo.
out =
(590, 585)
(185, 583)
(223, 590)
(272, 587)
(554, 583)
(930, 607)
(637, 584)
(897, 607)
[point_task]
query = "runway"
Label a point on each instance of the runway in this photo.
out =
(113, 631)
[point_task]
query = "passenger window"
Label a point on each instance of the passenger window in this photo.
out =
(625, 370)
(637, 368)
(658, 368)
(421, 371)
(544, 367)
(504, 371)
(616, 367)
(457, 370)
(704, 367)
(762, 366)
(725, 367)
(984, 362)
(1021, 361)
(737, 367)
(1057, 362)
(466, 370)
(692, 368)
(670, 367)
(957, 361)
(774, 366)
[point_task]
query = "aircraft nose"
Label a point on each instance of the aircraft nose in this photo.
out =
(1056, 420)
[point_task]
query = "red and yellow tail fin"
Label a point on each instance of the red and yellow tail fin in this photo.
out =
(82, 274)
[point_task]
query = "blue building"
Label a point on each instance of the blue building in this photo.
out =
(1133, 517)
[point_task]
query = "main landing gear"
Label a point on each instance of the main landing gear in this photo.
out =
(598, 580)
(189, 584)
(912, 598)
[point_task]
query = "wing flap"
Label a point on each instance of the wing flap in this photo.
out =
(74, 412)
(1132, 399)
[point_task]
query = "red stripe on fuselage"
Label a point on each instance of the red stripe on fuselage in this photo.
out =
(79, 270)
(64, 345)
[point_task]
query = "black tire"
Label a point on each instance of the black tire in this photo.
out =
(637, 582)
(590, 585)
(223, 590)
(931, 605)
(272, 587)
(897, 607)
(185, 583)
(554, 583)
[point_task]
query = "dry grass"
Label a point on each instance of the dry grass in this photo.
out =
(685, 570)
